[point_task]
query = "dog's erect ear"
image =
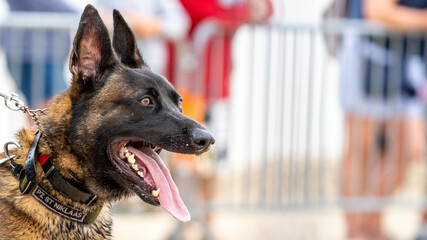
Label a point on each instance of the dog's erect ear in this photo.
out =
(92, 53)
(124, 43)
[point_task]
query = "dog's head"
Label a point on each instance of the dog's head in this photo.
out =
(123, 115)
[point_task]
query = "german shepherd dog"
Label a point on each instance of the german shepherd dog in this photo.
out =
(102, 137)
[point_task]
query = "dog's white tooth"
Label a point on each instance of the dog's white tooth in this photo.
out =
(135, 167)
(128, 154)
(131, 158)
(155, 193)
(123, 151)
(158, 150)
(141, 174)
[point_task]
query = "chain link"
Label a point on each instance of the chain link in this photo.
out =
(14, 103)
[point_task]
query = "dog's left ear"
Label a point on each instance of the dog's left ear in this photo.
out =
(92, 53)
(124, 43)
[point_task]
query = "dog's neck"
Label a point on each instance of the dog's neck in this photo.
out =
(52, 144)
(56, 142)
(44, 148)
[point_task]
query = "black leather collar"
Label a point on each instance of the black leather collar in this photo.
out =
(30, 166)
(67, 187)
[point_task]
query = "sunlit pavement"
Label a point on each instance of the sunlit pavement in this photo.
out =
(234, 225)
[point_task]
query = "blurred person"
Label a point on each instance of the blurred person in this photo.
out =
(36, 59)
(154, 23)
(384, 114)
(213, 23)
(204, 84)
(10, 121)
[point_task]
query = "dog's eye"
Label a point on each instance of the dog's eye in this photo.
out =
(146, 101)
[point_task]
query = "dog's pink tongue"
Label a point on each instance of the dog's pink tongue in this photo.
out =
(169, 195)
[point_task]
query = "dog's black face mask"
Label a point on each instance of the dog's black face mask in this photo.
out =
(124, 115)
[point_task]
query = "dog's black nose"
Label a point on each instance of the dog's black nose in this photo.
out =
(202, 139)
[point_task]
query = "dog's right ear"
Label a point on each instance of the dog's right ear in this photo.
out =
(92, 53)
(124, 43)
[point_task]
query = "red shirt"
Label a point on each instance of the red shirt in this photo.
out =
(231, 17)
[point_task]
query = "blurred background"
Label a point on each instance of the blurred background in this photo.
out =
(318, 109)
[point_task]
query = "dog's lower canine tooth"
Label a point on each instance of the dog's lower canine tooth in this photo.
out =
(135, 167)
(155, 193)
(141, 174)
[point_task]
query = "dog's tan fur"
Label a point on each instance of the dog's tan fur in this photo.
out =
(22, 216)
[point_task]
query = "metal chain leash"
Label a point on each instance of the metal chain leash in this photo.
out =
(15, 104)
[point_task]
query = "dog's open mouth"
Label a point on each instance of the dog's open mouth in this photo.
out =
(141, 163)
